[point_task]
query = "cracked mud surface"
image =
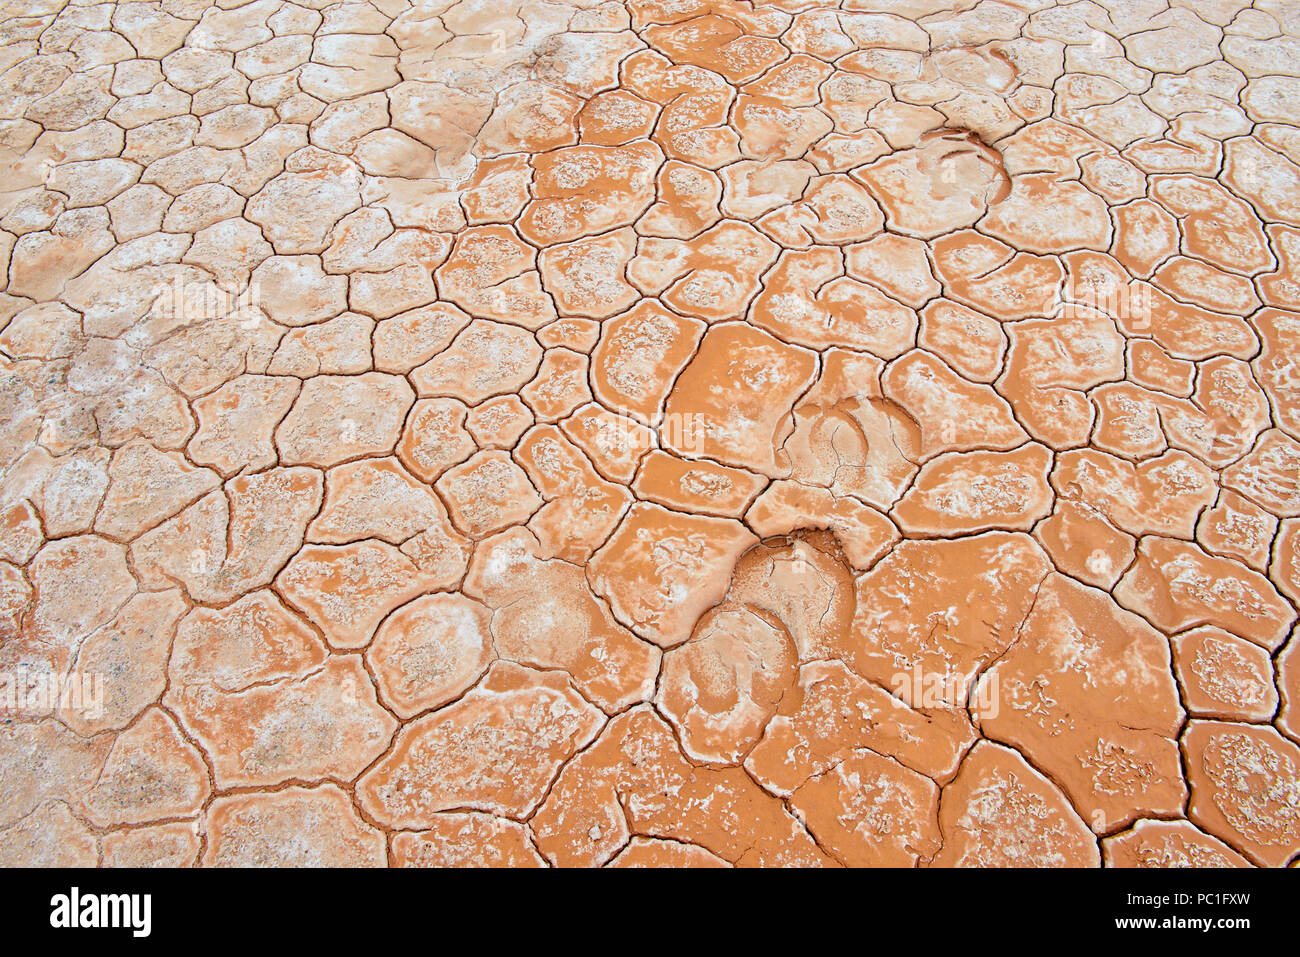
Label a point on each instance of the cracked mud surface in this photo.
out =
(661, 433)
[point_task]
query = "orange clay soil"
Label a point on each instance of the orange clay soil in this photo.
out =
(650, 433)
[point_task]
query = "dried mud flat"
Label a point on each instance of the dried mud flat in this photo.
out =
(650, 433)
